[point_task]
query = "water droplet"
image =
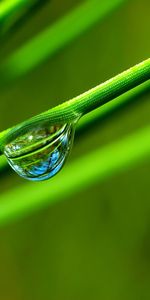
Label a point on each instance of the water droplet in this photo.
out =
(41, 152)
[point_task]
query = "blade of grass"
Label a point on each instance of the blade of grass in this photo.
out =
(84, 103)
(103, 111)
(24, 200)
(53, 38)
(9, 7)
(112, 106)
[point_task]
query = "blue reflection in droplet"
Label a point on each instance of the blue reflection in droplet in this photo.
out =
(46, 159)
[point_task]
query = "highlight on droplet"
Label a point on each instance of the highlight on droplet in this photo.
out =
(41, 152)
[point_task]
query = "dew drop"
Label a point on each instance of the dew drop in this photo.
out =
(41, 152)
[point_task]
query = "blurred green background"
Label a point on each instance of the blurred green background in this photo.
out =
(95, 244)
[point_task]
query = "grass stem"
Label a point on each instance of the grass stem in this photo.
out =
(84, 103)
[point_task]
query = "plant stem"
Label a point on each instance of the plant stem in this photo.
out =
(86, 102)
(110, 89)
(129, 97)
(103, 111)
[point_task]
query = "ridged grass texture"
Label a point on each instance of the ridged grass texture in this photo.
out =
(96, 166)
(84, 103)
(55, 37)
(103, 111)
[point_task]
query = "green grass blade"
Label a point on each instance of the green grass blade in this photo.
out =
(84, 103)
(52, 39)
(11, 11)
(112, 106)
(116, 157)
(103, 111)
(9, 7)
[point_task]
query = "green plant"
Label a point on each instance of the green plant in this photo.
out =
(30, 165)
(8, 7)
(87, 228)
(77, 107)
(11, 11)
(103, 111)
(127, 82)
